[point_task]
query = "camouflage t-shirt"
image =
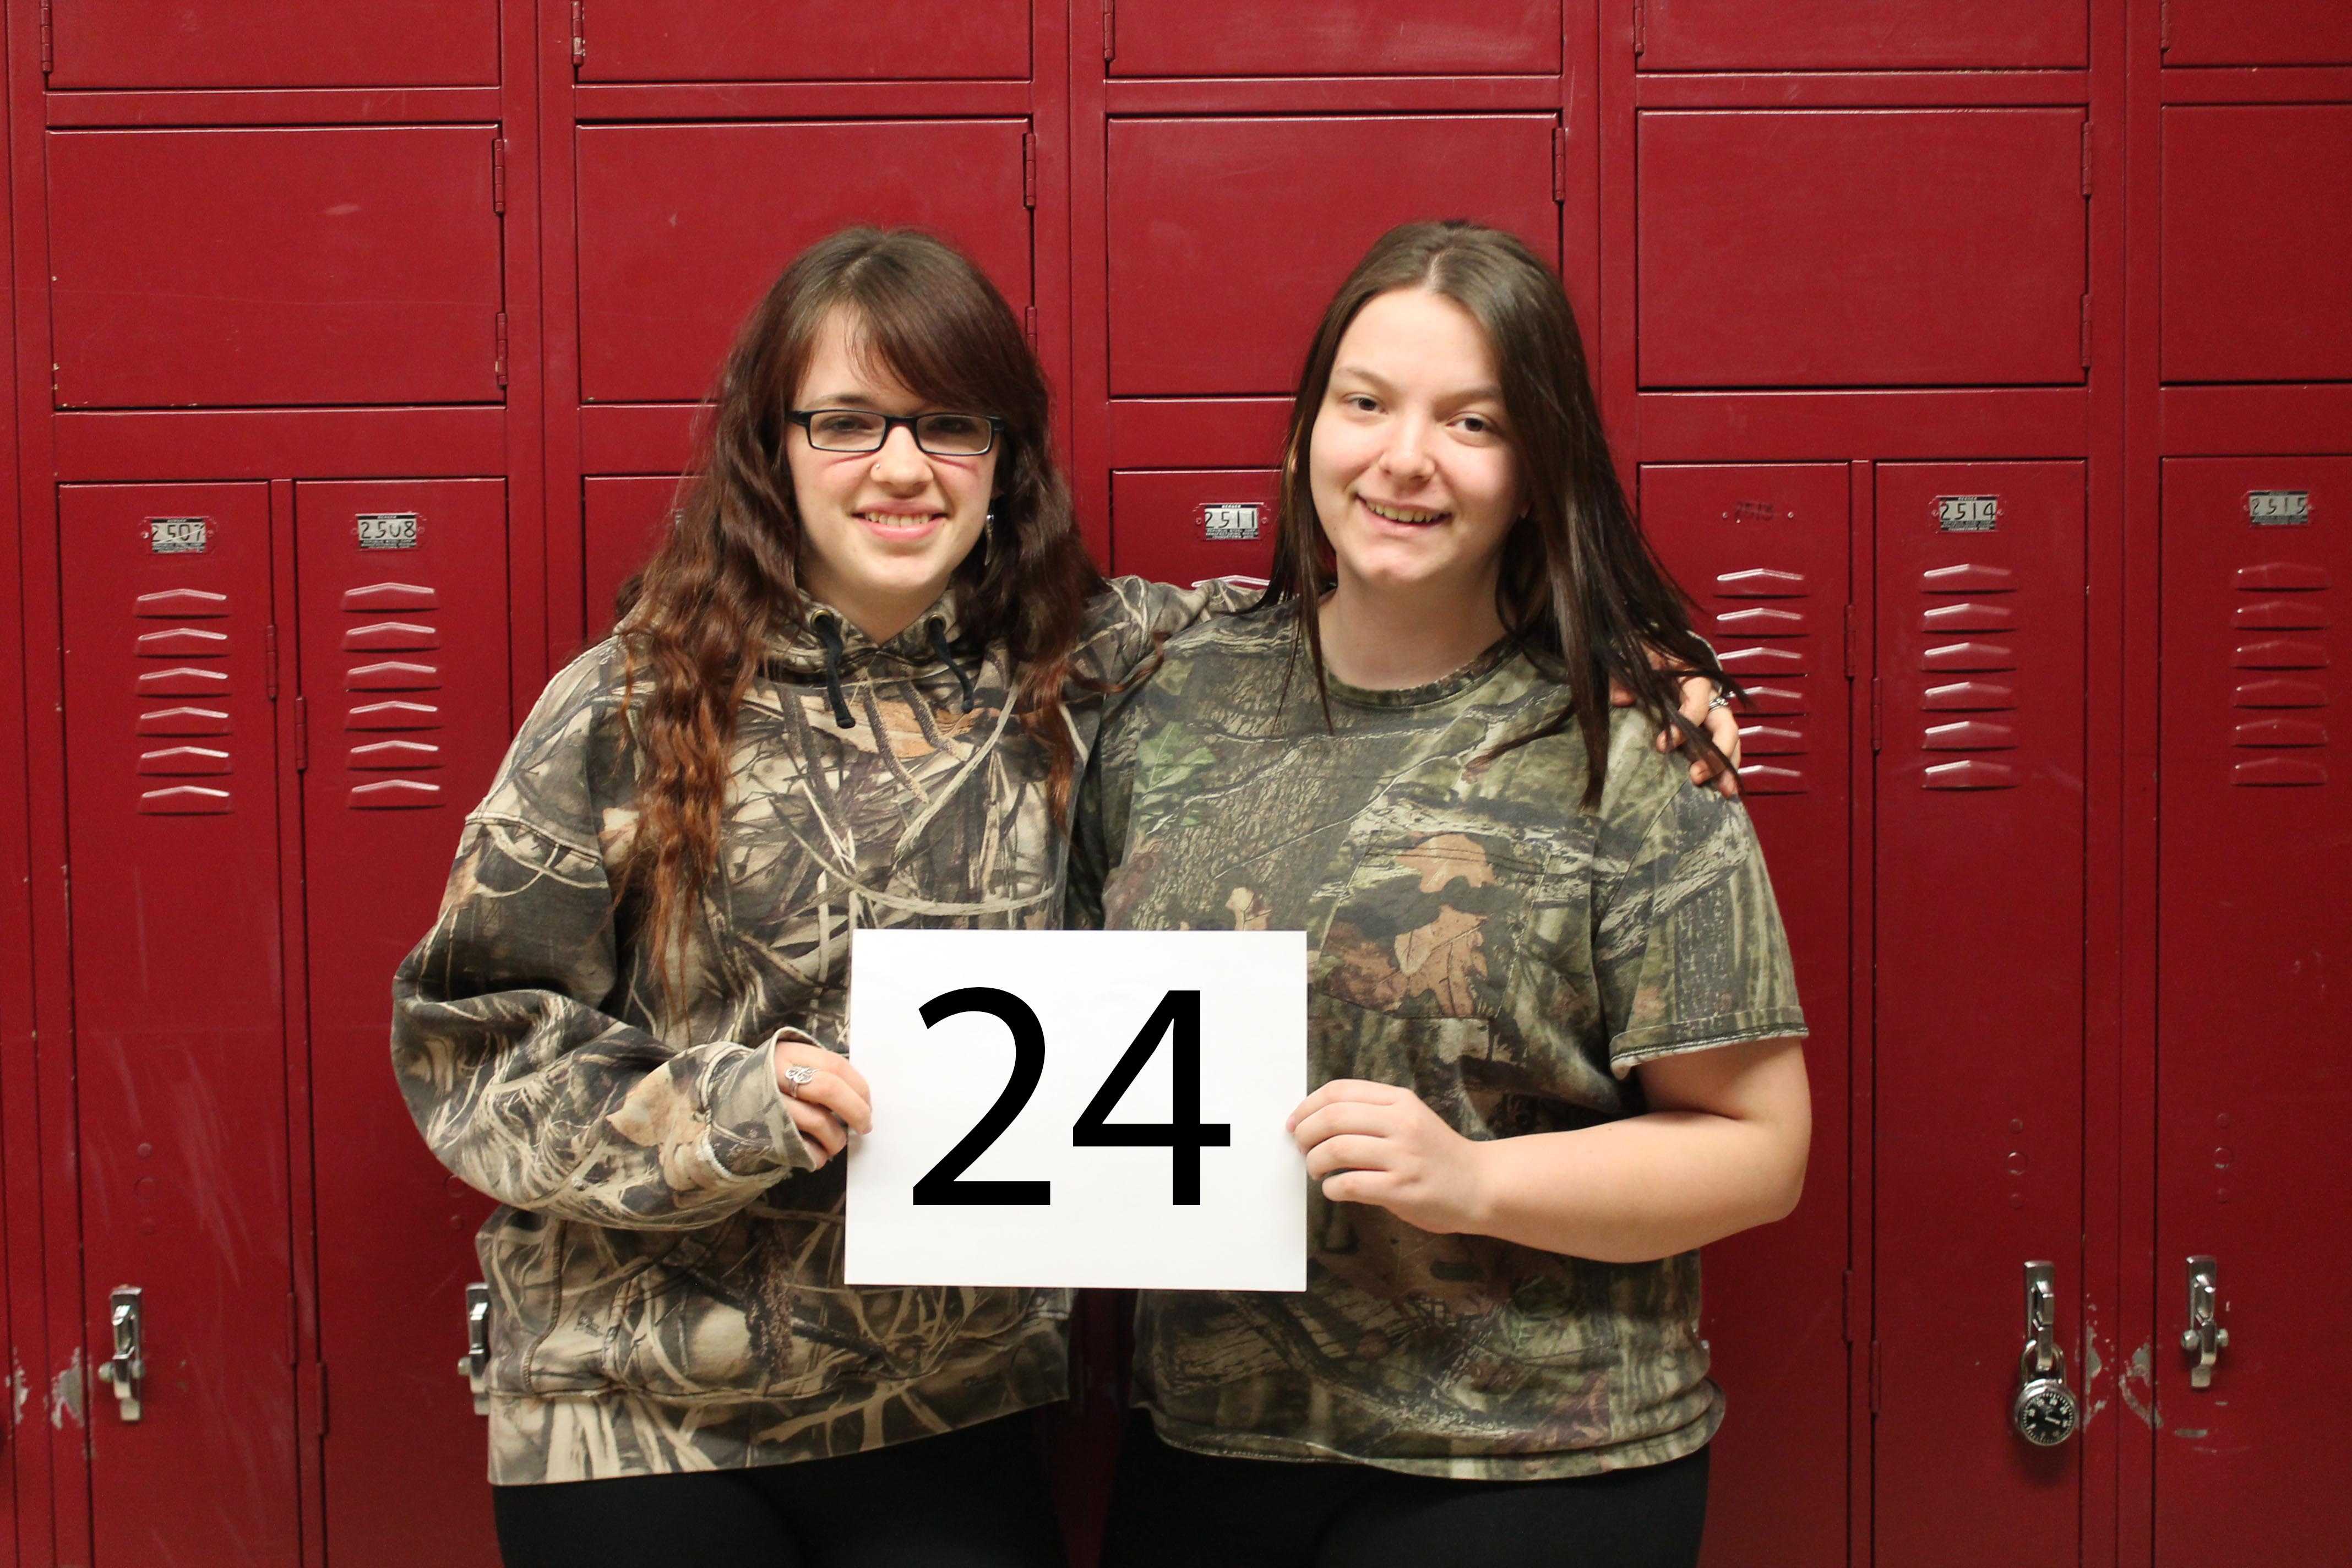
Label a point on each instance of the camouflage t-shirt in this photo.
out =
(1477, 939)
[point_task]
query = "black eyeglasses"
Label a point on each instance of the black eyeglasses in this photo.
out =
(863, 430)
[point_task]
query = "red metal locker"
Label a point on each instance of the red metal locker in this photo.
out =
(2257, 242)
(171, 681)
(2257, 33)
(1763, 550)
(1872, 247)
(1979, 1033)
(696, 40)
(405, 705)
(1180, 525)
(672, 255)
(349, 265)
(1332, 37)
(626, 518)
(293, 43)
(1876, 35)
(2253, 1098)
(1226, 237)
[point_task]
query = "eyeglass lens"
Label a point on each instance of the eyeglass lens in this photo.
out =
(857, 431)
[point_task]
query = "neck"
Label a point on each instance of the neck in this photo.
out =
(1389, 638)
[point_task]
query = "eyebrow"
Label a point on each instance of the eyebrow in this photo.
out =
(1465, 395)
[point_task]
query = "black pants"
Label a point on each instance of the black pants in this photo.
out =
(1174, 1508)
(974, 1499)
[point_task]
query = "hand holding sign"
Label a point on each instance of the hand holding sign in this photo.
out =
(1079, 1108)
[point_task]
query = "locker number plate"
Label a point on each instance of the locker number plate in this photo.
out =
(387, 530)
(2278, 509)
(179, 535)
(1968, 514)
(1230, 519)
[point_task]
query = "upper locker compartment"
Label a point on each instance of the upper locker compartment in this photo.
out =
(1869, 248)
(897, 41)
(228, 268)
(1332, 37)
(2257, 242)
(1227, 236)
(2257, 33)
(672, 256)
(1860, 34)
(288, 43)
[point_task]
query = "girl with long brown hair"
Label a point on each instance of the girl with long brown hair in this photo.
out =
(1556, 1045)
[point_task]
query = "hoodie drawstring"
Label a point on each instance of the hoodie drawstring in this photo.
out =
(828, 632)
(940, 646)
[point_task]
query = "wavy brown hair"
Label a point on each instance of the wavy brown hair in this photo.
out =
(726, 576)
(1579, 589)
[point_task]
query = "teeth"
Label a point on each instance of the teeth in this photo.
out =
(1401, 513)
(892, 520)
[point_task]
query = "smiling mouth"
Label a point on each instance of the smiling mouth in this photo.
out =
(1412, 515)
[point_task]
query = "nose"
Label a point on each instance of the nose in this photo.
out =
(901, 463)
(1405, 458)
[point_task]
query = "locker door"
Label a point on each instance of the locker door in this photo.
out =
(903, 40)
(1227, 236)
(1876, 35)
(2257, 242)
(2257, 33)
(2253, 1097)
(1182, 525)
(626, 518)
(1763, 551)
(1978, 1032)
(672, 256)
(292, 42)
(1334, 37)
(340, 265)
(1794, 248)
(179, 1032)
(404, 703)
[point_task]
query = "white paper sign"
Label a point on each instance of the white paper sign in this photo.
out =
(1035, 1117)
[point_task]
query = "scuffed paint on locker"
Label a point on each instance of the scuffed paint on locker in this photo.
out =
(2140, 1402)
(66, 1395)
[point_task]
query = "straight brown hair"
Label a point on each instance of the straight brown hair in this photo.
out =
(727, 575)
(1579, 590)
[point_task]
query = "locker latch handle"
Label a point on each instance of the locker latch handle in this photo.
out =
(126, 1369)
(474, 1366)
(2044, 1411)
(2205, 1338)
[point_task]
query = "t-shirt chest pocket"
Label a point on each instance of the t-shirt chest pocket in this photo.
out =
(1432, 924)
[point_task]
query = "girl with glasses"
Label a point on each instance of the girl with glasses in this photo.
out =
(1551, 1012)
(855, 686)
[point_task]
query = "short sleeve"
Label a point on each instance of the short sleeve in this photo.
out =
(1688, 948)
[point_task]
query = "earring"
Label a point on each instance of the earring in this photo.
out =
(987, 537)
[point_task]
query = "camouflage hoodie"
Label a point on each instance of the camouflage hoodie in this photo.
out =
(665, 1271)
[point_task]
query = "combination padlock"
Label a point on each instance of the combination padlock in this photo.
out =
(2045, 1412)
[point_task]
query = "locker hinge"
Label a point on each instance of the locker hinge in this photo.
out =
(1847, 657)
(1029, 325)
(1641, 28)
(1560, 163)
(499, 365)
(2163, 25)
(269, 663)
(497, 173)
(2086, 157)
(48, 41)
(2086, 331)
(1108, 47)
(301, 734)
(1877, 712)
(1028, 168)
(579, 34)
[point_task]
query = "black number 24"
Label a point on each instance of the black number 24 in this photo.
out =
(1184, 1135)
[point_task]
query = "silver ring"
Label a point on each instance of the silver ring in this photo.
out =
(799, 1077)
(1720, 699)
